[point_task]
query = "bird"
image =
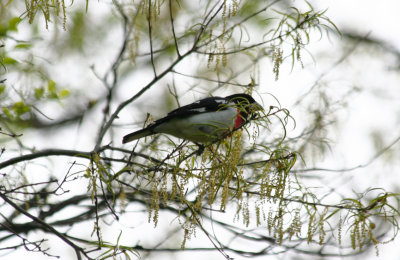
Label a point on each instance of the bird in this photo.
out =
(204, 121)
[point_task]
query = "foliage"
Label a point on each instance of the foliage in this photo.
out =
(249, 185)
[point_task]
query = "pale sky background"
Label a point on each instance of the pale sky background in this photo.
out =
(352, 143)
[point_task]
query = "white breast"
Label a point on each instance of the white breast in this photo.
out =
(200, 128)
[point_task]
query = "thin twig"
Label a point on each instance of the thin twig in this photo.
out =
(151, 40)
(171, 17)
(366, 164)
(114, 72)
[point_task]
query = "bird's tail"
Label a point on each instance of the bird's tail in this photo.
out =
(136, 135)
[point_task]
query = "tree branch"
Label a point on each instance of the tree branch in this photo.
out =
(76, 248)
(45, 153)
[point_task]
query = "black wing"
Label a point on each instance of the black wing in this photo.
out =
(204, 105)
(201, 106)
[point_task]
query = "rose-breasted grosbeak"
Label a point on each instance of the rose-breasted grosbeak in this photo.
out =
(203, 121)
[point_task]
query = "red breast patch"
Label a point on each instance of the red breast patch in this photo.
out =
(239, 120)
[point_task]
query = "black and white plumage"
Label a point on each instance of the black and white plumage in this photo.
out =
(203, 121)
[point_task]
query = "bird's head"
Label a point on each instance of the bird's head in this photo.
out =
(245, 103)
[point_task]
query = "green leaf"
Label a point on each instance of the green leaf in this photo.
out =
(9, 61)
(3, 30)
(23, 46)
(64, 93)
(13, 24)
(51, 88)
(7, 112)
(39, 92)
(2, 88)
(20, 108)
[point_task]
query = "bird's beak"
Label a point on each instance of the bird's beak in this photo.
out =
(254, 107)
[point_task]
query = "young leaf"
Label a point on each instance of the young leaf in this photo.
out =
(9, 61)
(13, 24)
(6, 111)
(51, 88)
(23, 46)
(20, 108)
(64, 93)
(39, 92)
